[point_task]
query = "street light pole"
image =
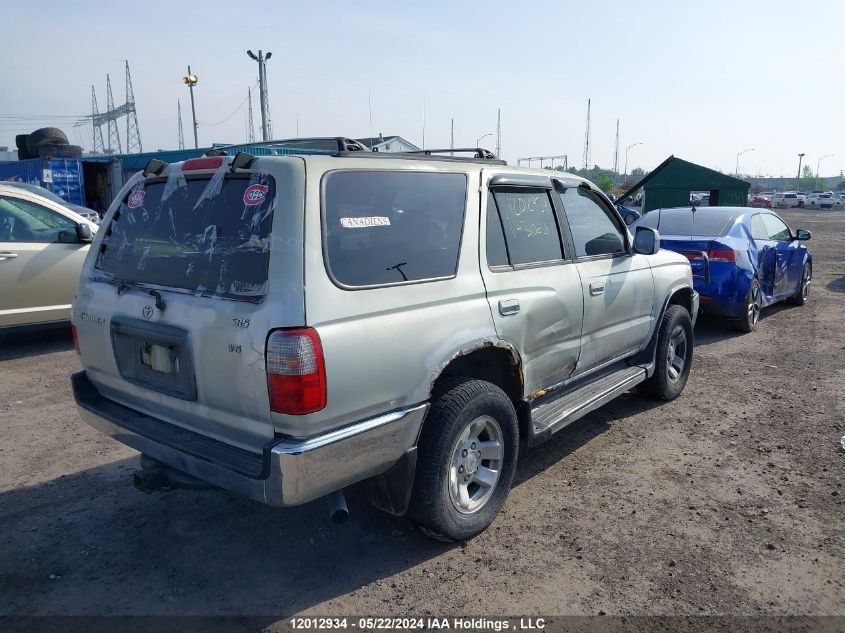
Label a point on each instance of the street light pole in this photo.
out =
(798, 183)
(818, 163)
(625, 175)
(750, 149)
(262, 89)
(483, 136)
(191, 81)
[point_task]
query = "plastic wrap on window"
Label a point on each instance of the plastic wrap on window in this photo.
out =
(214, 186)
(175, 180)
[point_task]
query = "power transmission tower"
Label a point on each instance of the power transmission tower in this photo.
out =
(499, 133)
(114, 137)
(616, 151)
(181, 132)
(99, 146)
(250, 127)
(133, 135)
(586, 162)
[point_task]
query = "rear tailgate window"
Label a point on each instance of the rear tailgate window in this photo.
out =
(702, 222)
(207, 234)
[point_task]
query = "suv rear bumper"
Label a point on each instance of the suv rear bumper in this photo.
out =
(289, 472)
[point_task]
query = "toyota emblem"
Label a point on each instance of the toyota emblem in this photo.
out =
(147, 312)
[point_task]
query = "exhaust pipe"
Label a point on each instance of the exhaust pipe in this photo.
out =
(337, 507)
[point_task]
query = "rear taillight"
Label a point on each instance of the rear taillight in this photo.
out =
(721, 256)
(296, 372)
(75, 338)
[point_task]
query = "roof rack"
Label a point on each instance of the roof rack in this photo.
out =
(477, 152)
(331, 143)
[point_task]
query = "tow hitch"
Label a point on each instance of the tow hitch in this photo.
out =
(154, 476)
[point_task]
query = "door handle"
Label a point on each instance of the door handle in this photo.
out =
(7, 255)
(596, 288)
(508, 306)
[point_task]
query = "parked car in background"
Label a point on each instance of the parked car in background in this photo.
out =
(786, 200)
(802, 199)
(819, 200)
(85, 212)
(742, 260)
(42, 247)
(287, 326)
(840, 198)
(760, 201)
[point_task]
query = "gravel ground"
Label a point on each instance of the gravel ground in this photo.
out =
(726, 501)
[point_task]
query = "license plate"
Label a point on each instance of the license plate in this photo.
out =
(161, 358)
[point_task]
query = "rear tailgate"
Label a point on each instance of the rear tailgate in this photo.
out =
(175, 302)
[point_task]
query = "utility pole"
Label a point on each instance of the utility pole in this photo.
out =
(586, 161)
(626, 157)
(616, 152)
(499, 134)
(191, 81)
(181, 132)
(452, 138)
(798, 182)
(250, 126)
(261, 58)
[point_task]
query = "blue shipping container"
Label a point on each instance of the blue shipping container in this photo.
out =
(66, 175)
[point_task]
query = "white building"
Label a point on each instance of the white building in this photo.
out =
(383, 143)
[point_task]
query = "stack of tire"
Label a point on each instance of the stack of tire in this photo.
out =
(47, 142)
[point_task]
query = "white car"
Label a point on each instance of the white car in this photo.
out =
(840, 198)
(819, 201)
(42, 247)
(787, 199)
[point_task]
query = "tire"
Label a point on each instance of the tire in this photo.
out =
(49, 135)
(49, 150)
(464, 412)
(802, 294)
(747, 322)
(673, 358)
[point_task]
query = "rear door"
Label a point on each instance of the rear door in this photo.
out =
(533, 286)
(766, 255)
(40, 260)
(176, 303)
(617, 284)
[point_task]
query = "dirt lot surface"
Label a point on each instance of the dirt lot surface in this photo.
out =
(728, 500)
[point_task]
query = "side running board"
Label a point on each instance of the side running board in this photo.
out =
(550, 416)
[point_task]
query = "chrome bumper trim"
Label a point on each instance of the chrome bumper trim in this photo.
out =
(296, 471)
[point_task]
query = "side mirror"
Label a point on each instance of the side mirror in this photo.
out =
(803, 235)
(646, 241)
(83, 233)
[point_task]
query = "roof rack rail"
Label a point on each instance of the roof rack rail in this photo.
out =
(477, 152)
(331, 143)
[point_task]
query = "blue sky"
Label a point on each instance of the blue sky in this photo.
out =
(699, 79)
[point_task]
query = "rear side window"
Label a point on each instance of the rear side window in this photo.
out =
(530, 227)
(386, 227)
(209, 235)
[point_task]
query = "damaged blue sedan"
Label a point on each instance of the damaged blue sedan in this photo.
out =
(742, 259)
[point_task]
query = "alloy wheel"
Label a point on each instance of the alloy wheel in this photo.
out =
(476, 464)
(677, 354)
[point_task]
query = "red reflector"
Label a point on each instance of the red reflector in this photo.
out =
(692, 255)
(721, 256)
(296, 373)
(75, 338)
(202, 163)
(705, 298)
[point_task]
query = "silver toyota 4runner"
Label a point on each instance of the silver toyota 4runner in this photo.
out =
(286, 326)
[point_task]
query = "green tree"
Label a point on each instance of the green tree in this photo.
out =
(606, 182)
(808, 180)
(841, 186)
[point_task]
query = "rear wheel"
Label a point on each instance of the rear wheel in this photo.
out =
(673, 356)
(466, 459)
(803, 293)
(751, 309)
